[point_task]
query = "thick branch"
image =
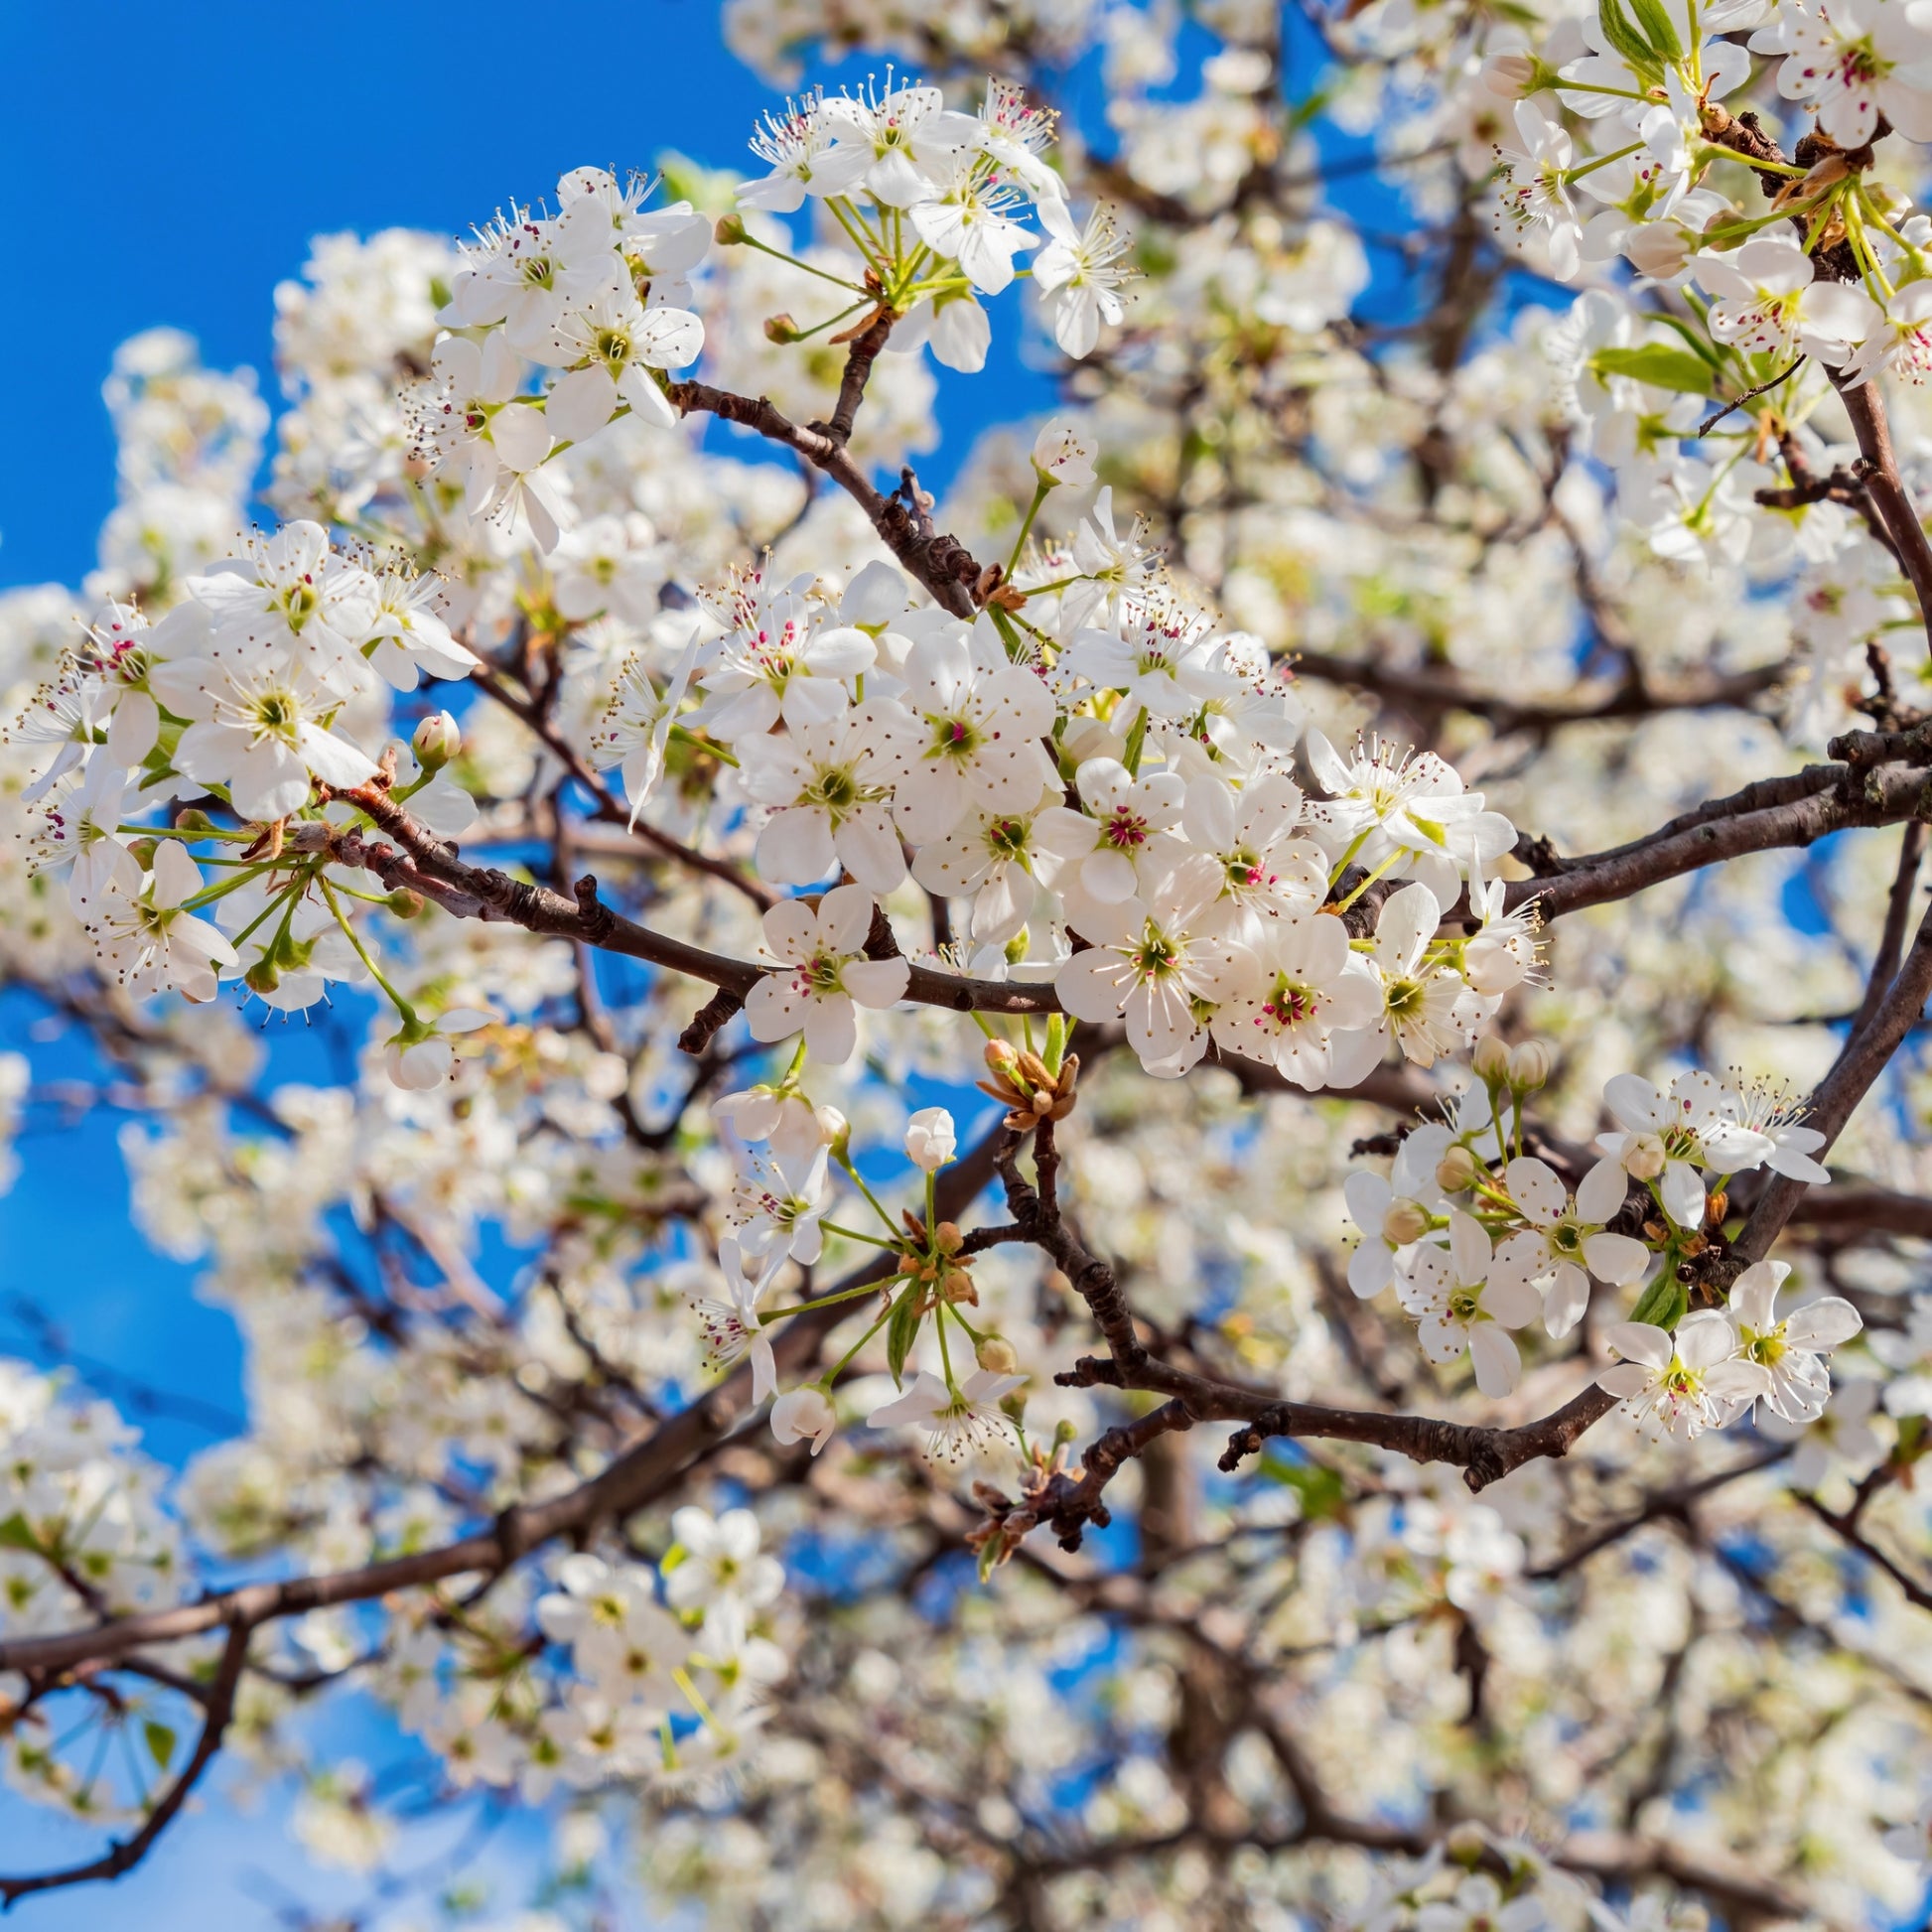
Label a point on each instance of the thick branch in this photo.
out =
(1796, 810)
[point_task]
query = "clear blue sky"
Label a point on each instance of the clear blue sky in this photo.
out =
(167, 164)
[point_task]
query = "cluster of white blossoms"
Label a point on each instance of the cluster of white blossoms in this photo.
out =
(896, 159)
(1481, 1244)
(656, 1672)
(1755, 281)
(1092, 762)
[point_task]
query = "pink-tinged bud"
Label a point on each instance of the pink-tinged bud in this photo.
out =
(1644, 1158)
(834, 1130)
(1492, 1059)
(1406, 1221)
(1509, 76)
(1530, 1061)
(1455, 1170)
(438, 740)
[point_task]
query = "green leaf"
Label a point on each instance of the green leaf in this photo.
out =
(989, 1553)
(1658, 28)
(1660, 365)
(1624, 38)
(17, 1534)
(1322, 1492)
(1663, 1303)
(161, 1743)
(904, 1329)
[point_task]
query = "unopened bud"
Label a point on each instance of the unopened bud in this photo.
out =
(1016, 948)
(405, 903)
(1492, 1059)
(195, 822)
(998, 1355)
(1659, 249)
(144, 851)
(781, 329)
(263, 976)
(1643, 1159)
(728, 232)
(1530, 1061)
(947, 1238)
(834, 1130)
(1406, 1221)
(438, 739)
(1455, 1170)
(1510, 76)
(959, 1288)
(1000, 1056)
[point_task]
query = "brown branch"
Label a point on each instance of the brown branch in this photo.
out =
(123, 1856)
(1878, 468)
(1660, 1503)
(1864, 1055)
(1429, 693)
(1796, 810)
(939, 562)
(859, 358)
(1898, 911)
(432, 865)
(1841, 1525)
(528, 713)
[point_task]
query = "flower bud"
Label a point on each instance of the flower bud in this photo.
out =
(947, 1239)
(195, 822)
(1492, 1059)
(998, 1355)
(1509, 76)
(728, 232)
(264, 976)
(1643, 1159)
(144, 851)
(931, 1139)
(1406, 1221)
(834, 1130)
(405, 903)
(781, 329)
(1530, 1061)
(801, 1414)
(959, 1288)
(1000, 1056)
(1455, 1170)
(1659, 249)
(438, 739)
